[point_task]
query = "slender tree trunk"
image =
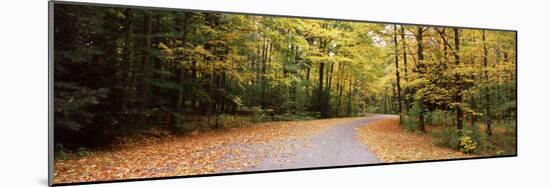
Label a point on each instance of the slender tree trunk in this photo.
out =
(128, 59)
(488, 117)
(185, 29)
(262, 73)
(421, 125)
(308, 73)
(400, 107)
(341, 88)
(421, 68)
(146, 64)
(386, 100)
(320, 92)
(327, 89)
(329, 83)
(405, 69)
(458, 94)
(392, 99)
(258, 61)
(267, 91)
(349, 97)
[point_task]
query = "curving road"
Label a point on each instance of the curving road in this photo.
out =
(337, 146)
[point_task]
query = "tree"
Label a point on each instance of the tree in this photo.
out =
(400, 107)
(421, 70)
(488, 120)
(458, 94)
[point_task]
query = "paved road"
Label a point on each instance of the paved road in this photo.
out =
(337, 146)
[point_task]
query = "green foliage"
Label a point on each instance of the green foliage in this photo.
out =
(185, 127)
(467, 145)
(229, 121)
(293, 117)
(182, 125)
(74, 105)
(59, 151)
(446, 137)
(411, 121)
(441, 118)
(468, 140)
(410, 124)
(81, 152)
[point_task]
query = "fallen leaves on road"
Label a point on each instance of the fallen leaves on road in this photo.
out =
(234, 149)
(391, 143)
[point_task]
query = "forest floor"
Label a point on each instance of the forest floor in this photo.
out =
(261, 146)
(392, 143)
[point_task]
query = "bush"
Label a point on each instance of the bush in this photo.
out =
(510, 140)
(410, 124)
(263, 115)
(292, 117)
(467, 145)
(59, 151)
(446, 137)
(441, 118)
(227, 121)
(81, 151)
(468, 140)
(181, 125)
(412, 116)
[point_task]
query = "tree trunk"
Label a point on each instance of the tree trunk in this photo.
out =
(320, 92)
(458, 94)
(421, 69)
(421, 121)
(349, 96)
(488, 117)
(386, 100)
(185, 29)
(340, 88)
(400, 107)
(146, 64)
(404, 52)
(128, 60)
(405, 69)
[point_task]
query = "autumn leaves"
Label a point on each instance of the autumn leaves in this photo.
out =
(237, 149)
(391, 143)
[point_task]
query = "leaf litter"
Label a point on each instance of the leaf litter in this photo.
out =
(236, 149)
(391, 143)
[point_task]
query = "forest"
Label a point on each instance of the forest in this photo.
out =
(124, 71)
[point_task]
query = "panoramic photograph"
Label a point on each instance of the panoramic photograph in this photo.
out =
(144, 93)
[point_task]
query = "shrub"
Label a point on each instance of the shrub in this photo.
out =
(468, 140)
(181, 125)
(59, 151)
(442, 118)
(467, 145)
(446, 137)
(81, 151)
(262, 115)
(410, 124)
(412, 116)
(226, 120)
(184, 127)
